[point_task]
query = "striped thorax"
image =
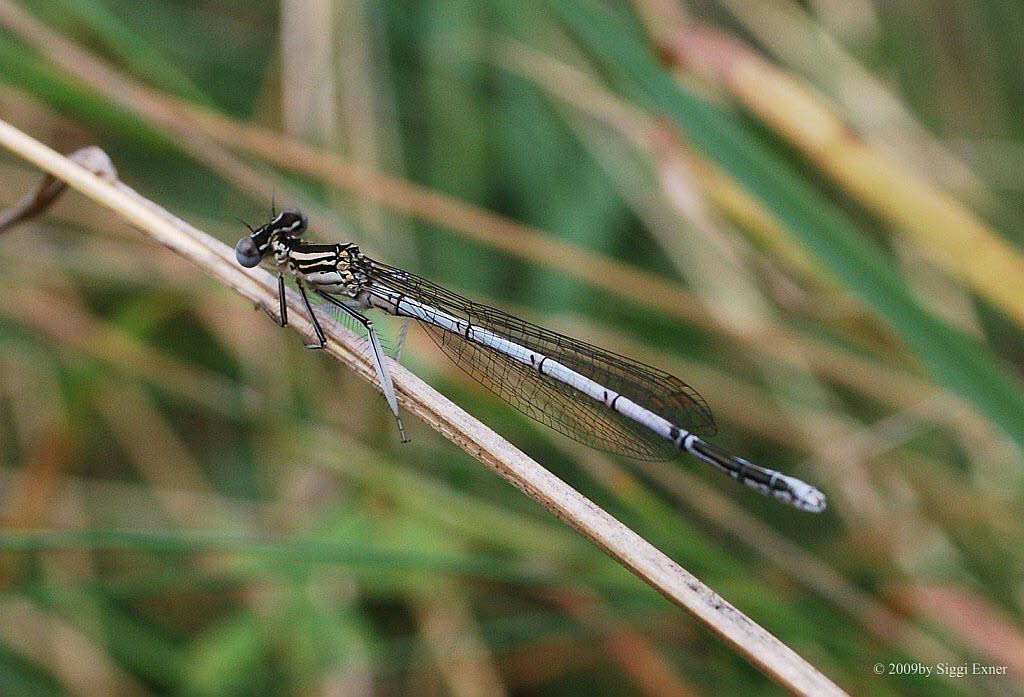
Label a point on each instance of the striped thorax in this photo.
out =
(333, 268)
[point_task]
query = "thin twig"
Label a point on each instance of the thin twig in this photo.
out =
(47, 191)
(776, 659)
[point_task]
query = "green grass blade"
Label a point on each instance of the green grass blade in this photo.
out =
(954, 359)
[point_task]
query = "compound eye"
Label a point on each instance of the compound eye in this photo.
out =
(247, 253)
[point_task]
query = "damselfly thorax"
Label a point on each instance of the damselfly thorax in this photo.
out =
(608, 401)
(333, 268)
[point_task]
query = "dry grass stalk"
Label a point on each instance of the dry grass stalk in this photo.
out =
(762, 649)
(949, 234)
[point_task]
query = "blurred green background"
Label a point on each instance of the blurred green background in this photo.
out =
(810, 211)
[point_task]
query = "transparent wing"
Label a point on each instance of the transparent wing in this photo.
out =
(547, 400)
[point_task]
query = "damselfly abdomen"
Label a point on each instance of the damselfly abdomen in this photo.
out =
(592, 395)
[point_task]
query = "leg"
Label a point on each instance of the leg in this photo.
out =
(282, 319)
(378, 358)
(401, 339)
(283, 306)
(312, 318)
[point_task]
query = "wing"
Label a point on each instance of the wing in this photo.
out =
(550, 401)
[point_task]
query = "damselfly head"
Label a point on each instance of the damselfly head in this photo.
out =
(251, 249)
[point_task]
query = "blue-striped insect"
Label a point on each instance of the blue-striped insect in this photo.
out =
(594, 396)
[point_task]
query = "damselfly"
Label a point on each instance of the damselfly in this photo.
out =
(594, 396)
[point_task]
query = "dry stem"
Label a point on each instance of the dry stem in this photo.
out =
(761, 648)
